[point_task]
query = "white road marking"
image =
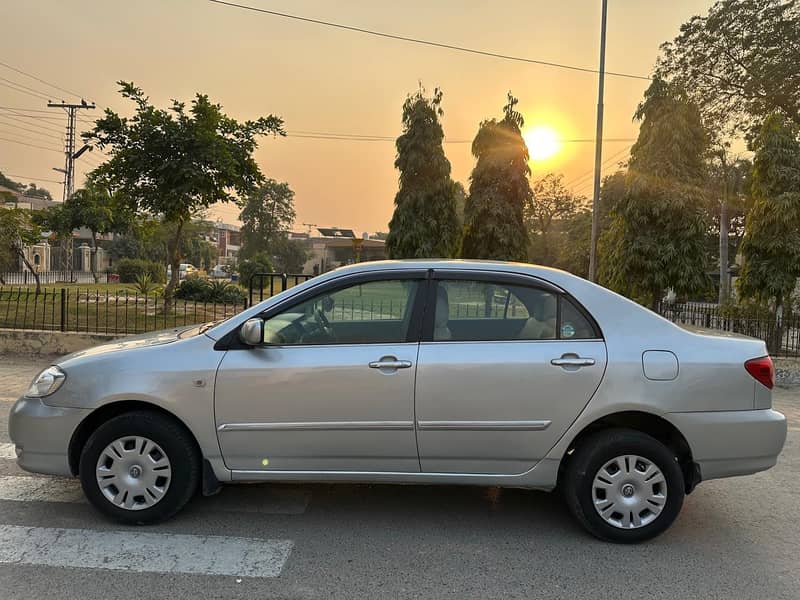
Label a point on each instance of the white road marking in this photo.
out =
(40, 489)
(260, 498)
(7, 452)
(143, 552)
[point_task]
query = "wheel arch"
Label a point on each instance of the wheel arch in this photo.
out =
(648, 423)
(108, 411)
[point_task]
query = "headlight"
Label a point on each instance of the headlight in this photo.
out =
(46, 382)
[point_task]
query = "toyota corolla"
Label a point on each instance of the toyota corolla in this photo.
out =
(429, 372)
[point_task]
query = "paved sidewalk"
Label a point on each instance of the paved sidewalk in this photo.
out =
(16, 373)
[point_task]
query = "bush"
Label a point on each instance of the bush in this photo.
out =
(130, 269)
(259, 263)
(199, 290)
(146, 286)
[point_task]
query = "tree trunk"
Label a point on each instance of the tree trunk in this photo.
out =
(174, 257)
(93, 258)
(777, 336)
(724, 281)
(33, 271)
(656, 301)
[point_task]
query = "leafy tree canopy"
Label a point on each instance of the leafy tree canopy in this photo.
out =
(178, 161)
(656, 236)
(771, 244)
(740, 62)
(499, 190)
(267, 214)
(550, 204)
(425, 222)
(17, 231)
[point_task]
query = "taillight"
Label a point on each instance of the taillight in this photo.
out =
(762, 370)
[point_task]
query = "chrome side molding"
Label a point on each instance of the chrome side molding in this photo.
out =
(320, 426)
(483, 425)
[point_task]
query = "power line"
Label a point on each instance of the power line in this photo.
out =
(26, 178)
(34, 131)
(40, 80)
(572, 183)
(354, 137)
(31, 145)
(424, 42)
(20, 119)
(22, 91)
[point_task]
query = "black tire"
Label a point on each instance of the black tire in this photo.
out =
(177, 444)
(597, 450)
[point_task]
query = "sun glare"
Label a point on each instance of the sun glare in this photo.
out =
(542, 141)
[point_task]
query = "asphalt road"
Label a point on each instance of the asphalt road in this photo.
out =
(735, 538)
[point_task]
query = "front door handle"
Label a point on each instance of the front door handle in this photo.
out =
(572, 361)
(390, 362)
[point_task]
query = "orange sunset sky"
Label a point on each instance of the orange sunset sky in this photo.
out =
(324, 80)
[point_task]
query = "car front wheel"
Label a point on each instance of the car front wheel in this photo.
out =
(624, 486)
(139, 468)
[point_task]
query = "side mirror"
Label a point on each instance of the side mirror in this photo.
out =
(252, 332)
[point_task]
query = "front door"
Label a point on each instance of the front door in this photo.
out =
(332, 388)
(503, 371)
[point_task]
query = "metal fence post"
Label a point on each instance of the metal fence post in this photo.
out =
(63, 309)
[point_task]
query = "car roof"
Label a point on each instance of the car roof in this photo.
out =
(455, 264)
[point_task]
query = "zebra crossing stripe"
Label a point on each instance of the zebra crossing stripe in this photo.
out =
(7, 452)
(143, 552)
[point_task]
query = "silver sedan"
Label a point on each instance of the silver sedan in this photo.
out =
(446, 372)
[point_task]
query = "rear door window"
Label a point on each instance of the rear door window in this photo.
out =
(467, 310)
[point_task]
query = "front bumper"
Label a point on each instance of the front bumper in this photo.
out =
(42, 434)
(729, 443)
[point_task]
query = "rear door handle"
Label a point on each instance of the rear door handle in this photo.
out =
(572, 361)
(390, 362)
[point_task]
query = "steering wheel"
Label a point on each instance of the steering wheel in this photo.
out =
(324, 324)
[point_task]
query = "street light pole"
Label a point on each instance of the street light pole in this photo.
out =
(598, 148)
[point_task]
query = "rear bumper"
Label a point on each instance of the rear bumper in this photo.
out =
(729, 443)
(42, 434)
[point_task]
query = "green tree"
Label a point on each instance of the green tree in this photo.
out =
(728, 194)
(424, 223)
(17, 231)
(499, 189)
(289, 256)
(656, 237)
(99, 211)
(740, 62)
(37, 192)
(267, 214)
(771, 244)
(175, 162)
(10, 183)
(58, 220)
(550, 205)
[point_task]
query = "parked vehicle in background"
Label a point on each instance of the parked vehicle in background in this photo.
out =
(446, 372)
(219, 272)
(184, 270)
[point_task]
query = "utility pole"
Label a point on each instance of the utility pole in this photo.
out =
(69, 163)
(598, 148)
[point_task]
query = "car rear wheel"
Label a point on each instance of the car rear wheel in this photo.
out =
(624, 486)
(139, 468)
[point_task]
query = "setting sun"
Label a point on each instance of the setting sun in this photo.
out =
(542, 142)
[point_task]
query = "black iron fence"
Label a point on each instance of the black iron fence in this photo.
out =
(51, 277)
(265, 285)
(781, 335)
(118, 312)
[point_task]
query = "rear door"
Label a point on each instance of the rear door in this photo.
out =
(505, 366)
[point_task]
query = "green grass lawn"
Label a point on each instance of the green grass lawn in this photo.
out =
(112, 308)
